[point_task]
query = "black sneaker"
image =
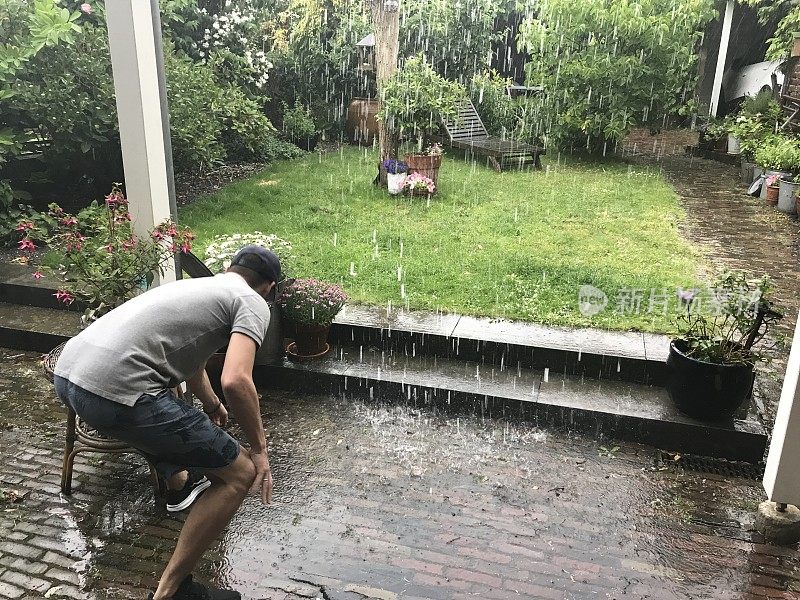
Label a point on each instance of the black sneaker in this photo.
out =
(190, 590)
(178, 500)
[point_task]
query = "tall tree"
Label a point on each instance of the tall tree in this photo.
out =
(386, 23)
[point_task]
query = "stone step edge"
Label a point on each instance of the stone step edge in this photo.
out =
(369, 325)
(743, 442)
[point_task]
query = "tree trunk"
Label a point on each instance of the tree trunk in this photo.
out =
(387, 46)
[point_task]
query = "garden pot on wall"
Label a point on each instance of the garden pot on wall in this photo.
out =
(787, 195)
(310, 341)
(271, 352)
(772, 194)
(767, 175)
(425, 164)
(705, 390)
(747, 172)
(733, 145)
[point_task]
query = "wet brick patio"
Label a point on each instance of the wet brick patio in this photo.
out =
(388, 502)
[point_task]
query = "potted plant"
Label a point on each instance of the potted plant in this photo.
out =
(415, 102)
(773, 189)
(218, 256)
(396, 171)
(299, 127)
(311, 306)
(101, 261)
(711, 363)
(418, 185)
(777, 154)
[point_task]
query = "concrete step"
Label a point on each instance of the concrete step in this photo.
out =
(35, 328)
(619, 355)
(614, 409)
(542, 395)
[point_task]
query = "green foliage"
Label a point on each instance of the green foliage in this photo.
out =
(608, 65)
(196, 133)
(297, 121)
(26, 28)
(497, 109)
(101, 261)
(488, 244)
(455, 37)
(779, 153)
(417, 99)
(738, 319)
(65, 95)
(784, 16)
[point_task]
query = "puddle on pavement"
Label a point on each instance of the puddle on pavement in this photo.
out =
(359, 483)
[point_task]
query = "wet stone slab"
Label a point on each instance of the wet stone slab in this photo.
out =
(390, 501)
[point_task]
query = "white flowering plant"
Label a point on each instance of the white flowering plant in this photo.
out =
(222, 249)
(235, 31)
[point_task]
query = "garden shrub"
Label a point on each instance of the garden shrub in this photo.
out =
(297, 121)
(491, 100)
(608, 65)
(417, 99)
(195, 130)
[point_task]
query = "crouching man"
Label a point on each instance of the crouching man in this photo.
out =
(118, 375)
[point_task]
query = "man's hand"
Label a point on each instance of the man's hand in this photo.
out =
(218, 416)
(263, 480)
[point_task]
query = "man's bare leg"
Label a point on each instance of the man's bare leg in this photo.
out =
(178, 481)
(210, 514)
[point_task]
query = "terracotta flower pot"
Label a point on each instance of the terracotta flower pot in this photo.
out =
(772, 195)
(425, 164)
(311, 340)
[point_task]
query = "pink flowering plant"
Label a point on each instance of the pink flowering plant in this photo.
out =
(419, 185)
(312, 302)
(102, 262)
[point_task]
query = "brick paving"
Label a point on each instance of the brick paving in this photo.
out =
(388, 502)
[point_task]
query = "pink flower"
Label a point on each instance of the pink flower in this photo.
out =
(25, 226)
(185, 247)
(157, 235)
(38, 274)
(68, 221)
(128, 244)
(27, 244)
(64, 296)
(109, 248)
(86, 8)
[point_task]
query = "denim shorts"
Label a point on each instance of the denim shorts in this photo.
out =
(172, 434)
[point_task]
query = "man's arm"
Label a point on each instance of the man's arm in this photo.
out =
(200, 386)
(240, 392)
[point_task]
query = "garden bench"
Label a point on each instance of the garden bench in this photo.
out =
(469, 133)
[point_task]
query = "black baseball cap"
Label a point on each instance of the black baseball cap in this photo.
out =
(257, 258)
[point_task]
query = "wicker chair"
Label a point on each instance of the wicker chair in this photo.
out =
(82, 438)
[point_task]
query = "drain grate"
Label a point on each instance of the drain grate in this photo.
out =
(715, 466)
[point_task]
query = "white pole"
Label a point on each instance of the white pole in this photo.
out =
(722, 57)
(782, 473)
(134, 41)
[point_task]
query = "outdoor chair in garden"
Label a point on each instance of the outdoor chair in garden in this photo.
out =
(469, 133)
(81, 438)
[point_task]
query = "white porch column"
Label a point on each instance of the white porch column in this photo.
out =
(782, 474)
(134, 36)
(722, 57)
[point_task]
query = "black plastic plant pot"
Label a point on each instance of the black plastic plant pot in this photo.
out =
(705, 390)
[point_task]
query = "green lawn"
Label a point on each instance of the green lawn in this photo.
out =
(515, 245)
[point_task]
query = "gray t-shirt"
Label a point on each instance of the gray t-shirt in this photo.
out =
(162, 337)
